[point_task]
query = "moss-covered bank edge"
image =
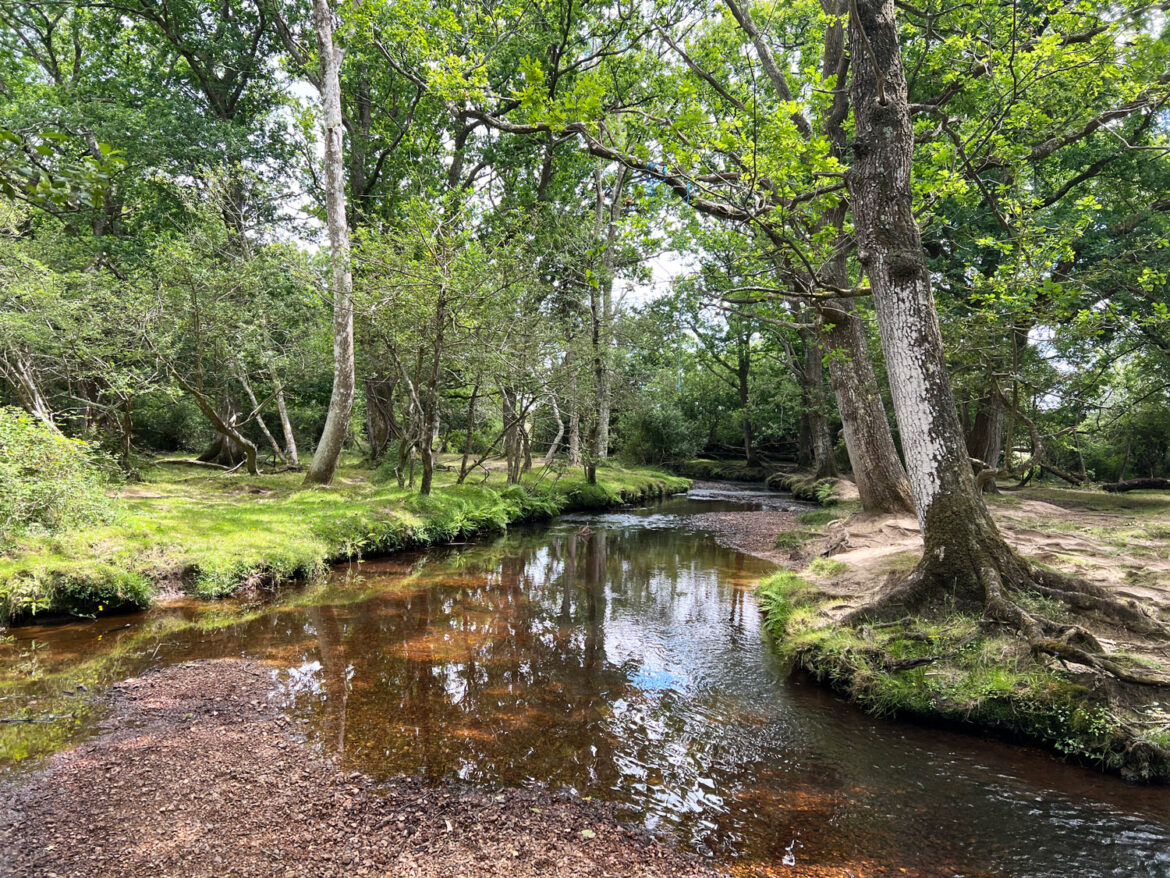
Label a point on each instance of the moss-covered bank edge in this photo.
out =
(954, 673)
(71, 580)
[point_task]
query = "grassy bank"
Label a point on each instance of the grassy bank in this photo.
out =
(955, 671)
(185, 530)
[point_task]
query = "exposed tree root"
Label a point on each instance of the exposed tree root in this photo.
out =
(995, 587)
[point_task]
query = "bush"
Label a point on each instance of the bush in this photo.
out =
(658, 433)
(48, 483)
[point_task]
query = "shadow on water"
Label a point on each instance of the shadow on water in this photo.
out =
(621, 655)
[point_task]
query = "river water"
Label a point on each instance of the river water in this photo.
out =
(621, 655)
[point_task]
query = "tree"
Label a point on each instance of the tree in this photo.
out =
(341, 276)
(966, 562)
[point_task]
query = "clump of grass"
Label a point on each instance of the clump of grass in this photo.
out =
(827, 567)
(793, 539)
(818, 517)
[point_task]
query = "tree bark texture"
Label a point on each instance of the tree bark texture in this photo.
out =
(965, 556)
(328, 450)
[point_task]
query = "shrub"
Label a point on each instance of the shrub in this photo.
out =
(48, 483)
(658, 433)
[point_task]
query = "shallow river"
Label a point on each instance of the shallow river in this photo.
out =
(621, 655)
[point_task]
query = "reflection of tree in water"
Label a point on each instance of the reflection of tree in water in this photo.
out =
(564, 658)
(469, 676)
(331, 648)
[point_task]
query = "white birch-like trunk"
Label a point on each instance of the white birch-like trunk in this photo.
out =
(341, 282)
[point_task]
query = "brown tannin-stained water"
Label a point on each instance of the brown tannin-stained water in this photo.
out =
(621, 655)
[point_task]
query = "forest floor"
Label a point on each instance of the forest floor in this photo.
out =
(185, 529)
(197, 773)
(957, 669)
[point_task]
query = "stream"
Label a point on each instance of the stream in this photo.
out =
(621, 655)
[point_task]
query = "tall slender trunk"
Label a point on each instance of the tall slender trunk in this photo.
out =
(553, 447)
(431, 400)
(873, 457)
(290, 439)
(469, 435)
(605, 391)
(574, 414)
(824, 465)
(743, 387)
(1125, 460)
(593, 454)
(607, 217)
(964, 550)
(127, 431)
(341, 400)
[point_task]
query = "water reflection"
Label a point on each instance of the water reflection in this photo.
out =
(621, 655)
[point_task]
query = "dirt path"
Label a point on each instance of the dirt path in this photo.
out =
(198, 774)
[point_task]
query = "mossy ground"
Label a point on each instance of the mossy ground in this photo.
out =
(212, 534)
(956, 671)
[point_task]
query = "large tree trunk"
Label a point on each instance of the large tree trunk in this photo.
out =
(341, 400)
(381, 425)
(873, 457)
(985, 441)
(881, 479)
(231, 443)
(966, 561)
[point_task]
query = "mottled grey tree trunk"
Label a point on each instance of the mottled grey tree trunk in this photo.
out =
(341, 285)
(965, 555)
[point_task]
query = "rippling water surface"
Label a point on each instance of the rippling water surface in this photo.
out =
(621, 655)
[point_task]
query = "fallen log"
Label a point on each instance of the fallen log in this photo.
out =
(1137, 485)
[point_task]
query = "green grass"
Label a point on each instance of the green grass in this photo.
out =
(955, 671)
(1131, 503)
(817, 517)
(827, 567)
(793, 539)
(212, 534)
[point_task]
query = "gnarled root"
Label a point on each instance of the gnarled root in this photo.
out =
(1087, 597)
(993, 587)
